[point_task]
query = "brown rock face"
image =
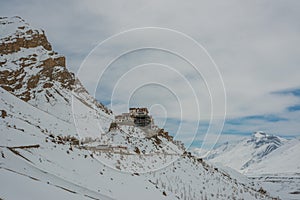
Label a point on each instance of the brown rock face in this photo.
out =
(31, 71)
(51, 62)
(22, 73)
(9, 81)
(10, 45)
(3, 114)
(32, 82)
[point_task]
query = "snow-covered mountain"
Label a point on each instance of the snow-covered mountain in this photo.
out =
(241, 155)
(49, 150)
(268, 159)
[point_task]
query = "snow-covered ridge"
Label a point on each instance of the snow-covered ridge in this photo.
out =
(260, 138)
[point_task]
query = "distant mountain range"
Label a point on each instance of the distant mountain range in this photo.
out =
(259, 154)
(271, 160)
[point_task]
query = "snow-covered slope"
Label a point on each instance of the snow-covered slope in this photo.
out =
(49, 150)
(32, 157)
(284, 160)
(241, 155)
(279, 172)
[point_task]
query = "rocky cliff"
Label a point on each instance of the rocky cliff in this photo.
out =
(33, 72)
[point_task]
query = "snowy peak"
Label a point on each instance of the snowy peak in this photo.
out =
(27, 61)
(36, 74)
(17, 34)
(260, 138)
(241, 155)
(259, 134)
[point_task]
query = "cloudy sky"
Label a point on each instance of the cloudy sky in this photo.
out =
(204, 61)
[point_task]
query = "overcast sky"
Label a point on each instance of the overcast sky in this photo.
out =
(254, 47)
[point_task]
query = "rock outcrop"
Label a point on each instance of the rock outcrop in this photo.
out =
(33, 72)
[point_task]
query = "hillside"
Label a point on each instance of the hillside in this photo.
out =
(56, 164)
